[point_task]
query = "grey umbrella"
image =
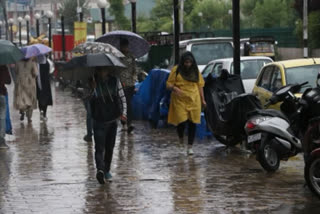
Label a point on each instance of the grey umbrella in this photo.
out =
(97, 47)
(138, 46)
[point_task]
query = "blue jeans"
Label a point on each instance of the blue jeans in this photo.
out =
(104, 138)
(2, 117)
(89, 118)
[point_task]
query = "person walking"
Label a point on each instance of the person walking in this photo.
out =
(44, 94)
(186, 84)
(86, 100)
(4, 79)
(25, 91)
(128, 79)
(108, 104)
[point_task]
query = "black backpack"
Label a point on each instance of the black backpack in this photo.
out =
(107, 107)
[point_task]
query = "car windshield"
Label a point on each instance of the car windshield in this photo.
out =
(302, 74)
(206, 52)
(250, 68)
(262, 47)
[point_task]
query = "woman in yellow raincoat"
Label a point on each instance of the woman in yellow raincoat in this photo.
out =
(186, 84)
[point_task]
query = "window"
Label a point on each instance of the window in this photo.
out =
(217, 69)
(303, 74)
(205, 52)
(265, 79)
(276, 82)
(250, 68)
(207, 70)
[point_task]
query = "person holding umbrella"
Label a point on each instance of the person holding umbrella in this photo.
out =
(128, 79)
(25, 91)
(132, 46)
(4, 79)
(107, 105)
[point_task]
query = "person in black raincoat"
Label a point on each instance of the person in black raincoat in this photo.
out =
(44, 94)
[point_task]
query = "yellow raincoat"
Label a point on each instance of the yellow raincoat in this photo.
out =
(188, 105)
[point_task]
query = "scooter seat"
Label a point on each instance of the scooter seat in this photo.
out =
(273, 113)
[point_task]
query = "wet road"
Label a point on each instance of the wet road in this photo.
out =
(50, 169)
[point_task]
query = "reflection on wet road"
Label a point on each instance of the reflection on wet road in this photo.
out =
(50, 169)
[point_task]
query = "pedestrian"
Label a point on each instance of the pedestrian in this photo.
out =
(108, 104)
(44, 94)
(86, 100)
(186, 84)
(25, 91)
(128, 79)
(4, 79)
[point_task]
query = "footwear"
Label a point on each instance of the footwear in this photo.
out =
(100, 177)
(181, 142)
(130, 130)
(189, 150)
(108, 176)
(87, 138)
(3, 145)
(21, 116)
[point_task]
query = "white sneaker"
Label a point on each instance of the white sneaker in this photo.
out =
(190, 151)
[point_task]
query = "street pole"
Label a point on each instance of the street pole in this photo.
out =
(20, 42)
(305, 28)
(49, 23)
(133, 16)
(63, 39)
(11, 32)
(236, 35)
(181, 15)
(176, 30)
(27, 18)
(38, 27)
(103, 16)
(1, 29)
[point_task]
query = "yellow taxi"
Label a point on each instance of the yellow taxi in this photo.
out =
(277, 74)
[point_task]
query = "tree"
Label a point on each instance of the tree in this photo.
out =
(68, 10)
(4, 10)
(273, 13)
(208, 15)
(117, 10)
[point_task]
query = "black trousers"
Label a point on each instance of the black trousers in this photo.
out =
(191, 130)
(129, 92)
(104, 138)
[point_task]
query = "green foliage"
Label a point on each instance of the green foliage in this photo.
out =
(117, 10)
(273, 13)
(313, 30)
(214, 16)
(69, 10)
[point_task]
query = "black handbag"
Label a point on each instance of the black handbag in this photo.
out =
(105, 108)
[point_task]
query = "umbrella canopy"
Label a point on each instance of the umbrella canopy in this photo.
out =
(35, 50)
(95, 60)
(97, 47)
(9, 53)
(138, 46)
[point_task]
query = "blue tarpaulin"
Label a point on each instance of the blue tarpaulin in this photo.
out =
(151, 95)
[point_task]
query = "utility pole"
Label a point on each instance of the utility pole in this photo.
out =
(305, 28)
(236, 35)
(181, 15)
(176, 30)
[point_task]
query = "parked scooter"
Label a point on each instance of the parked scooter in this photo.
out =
(311, 140)
(276, 135)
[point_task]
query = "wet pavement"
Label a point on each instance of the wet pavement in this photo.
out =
(50, 169)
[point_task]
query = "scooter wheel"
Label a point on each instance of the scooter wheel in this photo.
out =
(312, 174)
(268, 156)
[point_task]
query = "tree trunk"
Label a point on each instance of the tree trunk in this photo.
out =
(4, 9)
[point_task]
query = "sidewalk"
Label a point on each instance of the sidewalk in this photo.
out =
(50, 169)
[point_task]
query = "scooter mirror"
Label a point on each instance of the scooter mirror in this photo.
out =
(318, 79)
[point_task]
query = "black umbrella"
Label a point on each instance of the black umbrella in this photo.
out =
(95, 60)
(82, 67)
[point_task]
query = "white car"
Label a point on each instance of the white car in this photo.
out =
(206, 49)
(250, 67)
